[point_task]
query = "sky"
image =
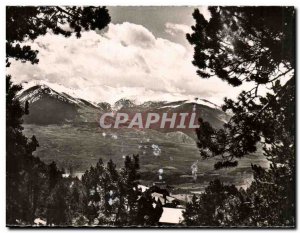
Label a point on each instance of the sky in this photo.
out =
(142, 55)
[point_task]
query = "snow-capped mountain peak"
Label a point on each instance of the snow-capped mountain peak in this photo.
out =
(34, 93)
(124, 103)
(204, 102)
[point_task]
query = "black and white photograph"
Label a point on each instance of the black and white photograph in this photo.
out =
(150, 116)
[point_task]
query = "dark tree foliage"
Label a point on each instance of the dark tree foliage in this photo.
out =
(28, 180)
(242, 44)
(246, 44)
(66, 203)
(27, 23)
(149, 211)
(24, 173)
(219, 205)
(113, 197)
(252, 44)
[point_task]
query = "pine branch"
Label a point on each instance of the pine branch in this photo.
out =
(274, 97)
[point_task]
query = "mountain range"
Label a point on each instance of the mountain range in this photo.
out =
(49, 106)
(68, 133)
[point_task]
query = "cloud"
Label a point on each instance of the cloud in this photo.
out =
(176, 29)
(131, 34)
(126, 60)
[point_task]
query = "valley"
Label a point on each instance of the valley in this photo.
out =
(68, 133)
(77, 147)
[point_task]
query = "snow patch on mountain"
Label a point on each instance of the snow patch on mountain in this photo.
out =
(34, 93)
(123, 103)
(34, 90)
(170, 106)
(204, 102)
(53, 89)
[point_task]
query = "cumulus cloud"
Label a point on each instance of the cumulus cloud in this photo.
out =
(177, 29)
(126, 60)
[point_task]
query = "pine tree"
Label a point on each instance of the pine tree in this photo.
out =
(253, 44)
(149, 210)
(54, 175)
(113, 197)
(23, 23)
(18, 159)
(130, 178)
(26, 175)
(219, 205)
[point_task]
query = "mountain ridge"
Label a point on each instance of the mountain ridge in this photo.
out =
(45, 100)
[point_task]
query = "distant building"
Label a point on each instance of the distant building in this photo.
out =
(163, 185)
(143, 188)
(171, 216)
(65, 175)
(172, 209)
(39, 222)
(163, 198)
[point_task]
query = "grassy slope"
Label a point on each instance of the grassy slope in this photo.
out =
(82, 145)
